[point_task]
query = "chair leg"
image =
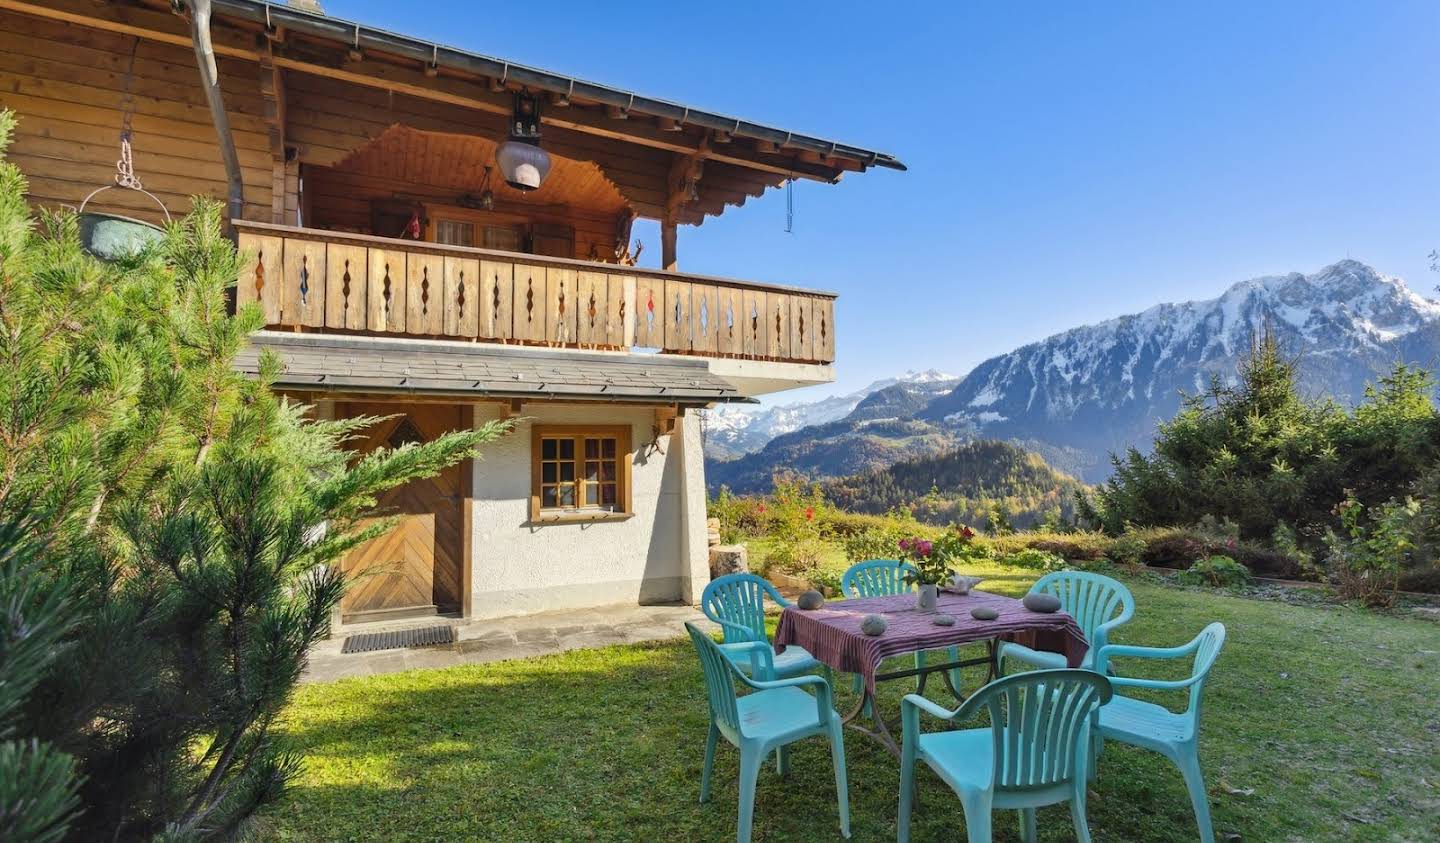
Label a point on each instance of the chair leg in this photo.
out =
(954, 654)
(750, 762)
(1097, 746)
(907, 794)
(782, 761)
(1077, 814)
(1027, 825)
(919, 665)
(710, 742)
(842, 782)
(1189, 764)
(977, 816)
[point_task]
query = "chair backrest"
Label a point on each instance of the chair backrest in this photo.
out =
(740, 599)
(1211, 639)
(1039, 724)
(876, 578)
(719, 685)
(1091, 599)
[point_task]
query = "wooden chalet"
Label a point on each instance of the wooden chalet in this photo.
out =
(407, 262)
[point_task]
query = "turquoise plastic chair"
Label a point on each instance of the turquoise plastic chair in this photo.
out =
(1092, 600)
(737, 603)
(1034, 752)
(1154, 727)
(881, 578)
(777, 713)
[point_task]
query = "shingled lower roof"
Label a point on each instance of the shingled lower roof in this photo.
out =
(317, 362)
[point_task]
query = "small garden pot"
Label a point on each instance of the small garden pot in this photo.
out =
(928, 597)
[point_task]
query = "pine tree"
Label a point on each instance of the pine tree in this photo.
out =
(184, 521)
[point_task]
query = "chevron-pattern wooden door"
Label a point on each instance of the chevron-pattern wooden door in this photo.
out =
(418, 565)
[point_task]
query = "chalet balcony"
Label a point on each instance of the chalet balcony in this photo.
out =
(309, 280)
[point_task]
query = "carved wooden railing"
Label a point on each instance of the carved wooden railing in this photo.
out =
(330, 281)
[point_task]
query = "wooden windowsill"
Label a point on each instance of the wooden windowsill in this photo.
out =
(579, 517)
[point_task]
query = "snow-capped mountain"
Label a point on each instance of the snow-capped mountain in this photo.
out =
(1100, 388)
(735, 429)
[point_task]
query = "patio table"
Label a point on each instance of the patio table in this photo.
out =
(832, 635)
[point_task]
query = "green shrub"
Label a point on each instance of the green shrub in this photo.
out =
(840, 524)
(825, 581)
(873, 543)
(737, 516)
(1218, 571)
(1128, 549)
(1072, 546)
(1368, 555)
(794, 556)
(1034, 559)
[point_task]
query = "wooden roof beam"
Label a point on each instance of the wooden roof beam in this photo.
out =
(392, 74)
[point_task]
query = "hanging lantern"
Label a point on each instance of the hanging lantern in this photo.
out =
(523, 164)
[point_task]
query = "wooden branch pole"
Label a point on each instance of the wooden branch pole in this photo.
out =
(668, 228)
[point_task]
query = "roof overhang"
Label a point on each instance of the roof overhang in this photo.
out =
(470, 371)
(357, 36)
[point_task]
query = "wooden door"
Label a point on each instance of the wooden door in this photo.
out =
(418, 566)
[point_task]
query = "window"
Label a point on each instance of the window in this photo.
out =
(502, 238)
(580, 473)
(454, 232)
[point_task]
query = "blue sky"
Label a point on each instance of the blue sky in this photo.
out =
(1068, 162)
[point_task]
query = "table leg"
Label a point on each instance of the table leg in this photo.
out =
(868, 706)
(877, 728)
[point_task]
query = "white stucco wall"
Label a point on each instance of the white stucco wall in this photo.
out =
(659, 555)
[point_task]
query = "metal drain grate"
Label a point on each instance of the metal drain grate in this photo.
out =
(428, 636)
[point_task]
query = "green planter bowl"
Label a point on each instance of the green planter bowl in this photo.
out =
(110, 237)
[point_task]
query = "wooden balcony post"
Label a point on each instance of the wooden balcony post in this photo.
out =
(667, 245)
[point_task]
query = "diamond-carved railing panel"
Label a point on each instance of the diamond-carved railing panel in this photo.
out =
(317, 279)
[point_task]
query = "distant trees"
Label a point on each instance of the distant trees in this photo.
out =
(984, 482)
(1275, 464)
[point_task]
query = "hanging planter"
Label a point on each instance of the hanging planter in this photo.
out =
(111, 237)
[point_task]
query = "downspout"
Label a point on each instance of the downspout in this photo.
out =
(210, 81)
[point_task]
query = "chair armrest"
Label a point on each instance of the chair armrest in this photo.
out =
(1133, 651)
(1102, 632)
(1154, 684)
(910, 709)
(918, 703)
(762, 657)
(1109, 651)
(824, 702)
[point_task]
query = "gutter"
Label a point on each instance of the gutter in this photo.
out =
(210, 79)
(271, 15)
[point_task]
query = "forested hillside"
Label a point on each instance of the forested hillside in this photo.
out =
(983, 482)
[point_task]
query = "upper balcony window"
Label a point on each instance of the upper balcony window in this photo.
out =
(454, 232)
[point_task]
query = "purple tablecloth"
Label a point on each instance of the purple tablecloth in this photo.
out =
(832, 634)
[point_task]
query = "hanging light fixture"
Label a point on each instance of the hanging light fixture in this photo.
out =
(523, 164)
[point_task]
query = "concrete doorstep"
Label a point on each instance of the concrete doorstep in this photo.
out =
(500, 639)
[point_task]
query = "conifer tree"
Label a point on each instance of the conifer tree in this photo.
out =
(170, 533)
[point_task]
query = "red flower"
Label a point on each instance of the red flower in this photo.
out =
(967, 532)
(809, 513)
(760, 508)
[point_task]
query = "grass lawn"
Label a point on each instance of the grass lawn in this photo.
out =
(1331, 715)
